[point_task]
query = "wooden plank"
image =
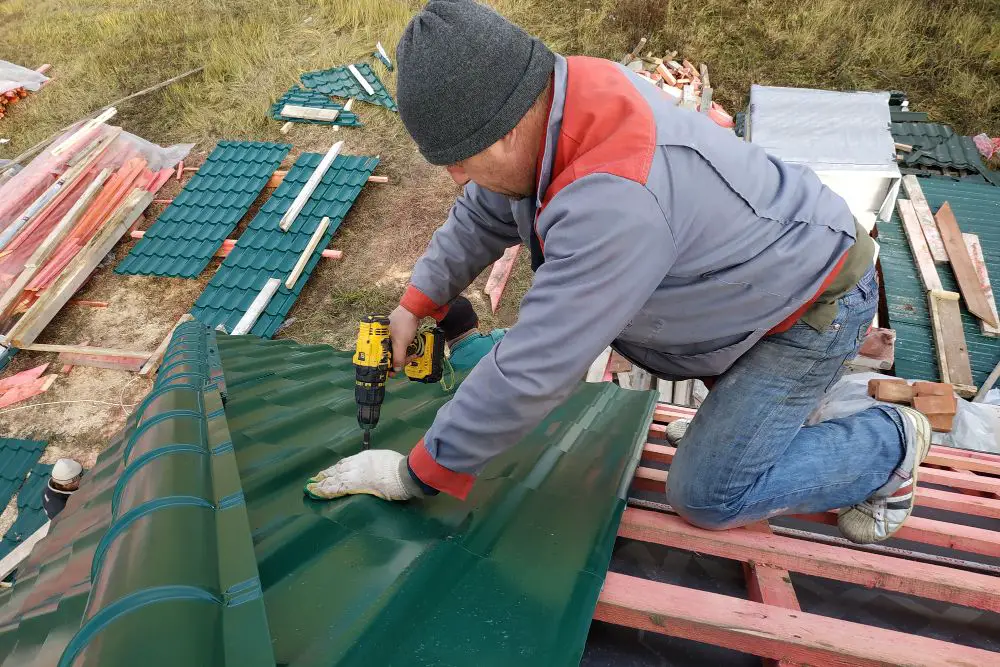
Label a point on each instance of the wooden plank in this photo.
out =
(682, 392)
(88, 303)
(309, 113)
(666, 390)
(499, 275)
(918, 246)
(925, 218)
(658, 453)
(938, 533)
(949, 341)
(975, 249)
(767, 584)
(84, 130)
(27, 390)
(24, 332)
(307, 253)
(991, 380)
(257, 306)
(153, 360)
(769, 631)
(596, 371)
(87, 350)
(130, 364)
(962, 266)
(361, 80)
(306, 192)
(279, 176)
(668, 413)
(24, 377)
(651, 479)
(45, 249)
(819, 560)
(22, 550)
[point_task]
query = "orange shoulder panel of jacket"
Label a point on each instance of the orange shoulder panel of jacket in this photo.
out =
(607, 126)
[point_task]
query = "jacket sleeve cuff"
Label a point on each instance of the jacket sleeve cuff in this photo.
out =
(421, 305)
(431, 473)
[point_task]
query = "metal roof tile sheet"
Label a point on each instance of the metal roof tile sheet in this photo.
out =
(187, 234)
(311, 98)
(263, 251)
(937, 145)
(16, 459)
(156, 559)
(339, 82)
(30, 513)
(977, 209)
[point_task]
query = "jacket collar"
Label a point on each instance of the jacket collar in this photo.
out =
(552, 129)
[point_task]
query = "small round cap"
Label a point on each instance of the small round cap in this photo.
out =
(66, 470)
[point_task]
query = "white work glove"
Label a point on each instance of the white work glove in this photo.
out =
(378, 472)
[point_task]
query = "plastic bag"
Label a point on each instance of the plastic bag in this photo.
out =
(14, 76)
(976, 425)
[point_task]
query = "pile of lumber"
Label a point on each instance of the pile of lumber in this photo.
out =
(61, 216)
(935, 238)
(689, 86)
(935, 399)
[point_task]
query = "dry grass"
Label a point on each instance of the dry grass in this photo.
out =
(944, 53)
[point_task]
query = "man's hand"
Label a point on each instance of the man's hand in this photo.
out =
(402, 329)
(378, 472)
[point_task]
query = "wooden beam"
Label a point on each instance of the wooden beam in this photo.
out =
(45, 249)
(769, 585)
(991, 380)
(306, 192)
(925, 218)
(769, 631)
(938, 533)
(24, 377)
(499, 275)
(819, 560)
(86, 350)
(918, 246)
(27, 390)
(88, 303)
(257, 306)
(84, 130)
(906, 148)
(24, 332)
(117, 363)
(949, 341)
(655, 481)
(224, 250)
(153, 360)
(307, 253)
(361, 80)
(12, 560)
(279, 176)
(975, 249)
(309, 113)
(962, 266)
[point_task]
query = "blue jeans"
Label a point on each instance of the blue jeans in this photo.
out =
(747, 455)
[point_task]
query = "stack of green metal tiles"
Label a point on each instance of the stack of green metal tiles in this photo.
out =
(192, 543)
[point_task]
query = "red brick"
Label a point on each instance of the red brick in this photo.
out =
(894, 392)
(936, 405)
(933, 389)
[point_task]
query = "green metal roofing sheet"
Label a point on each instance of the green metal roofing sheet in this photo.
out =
(184, 238)
(149, 563)
(263, 251)
(16, 459)
(339, 82)
(977, 209)
(937, 145)
(30, 513)
(310, 98)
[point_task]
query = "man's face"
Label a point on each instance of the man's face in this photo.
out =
(502, 168)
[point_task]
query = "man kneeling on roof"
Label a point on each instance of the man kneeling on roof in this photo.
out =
(692, 253)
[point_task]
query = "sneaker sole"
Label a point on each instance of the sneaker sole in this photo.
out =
(922, 428)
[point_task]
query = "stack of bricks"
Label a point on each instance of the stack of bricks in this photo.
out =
(935, 399)
(9, 98)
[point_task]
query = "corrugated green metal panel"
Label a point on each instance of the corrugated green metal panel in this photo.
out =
(509, 577)
(16, 459)
(937, 145)
(184, 238)
(339, 82)
(30, 513)
(977, 209)
(153, 563)
(263, 251)
(309, 98)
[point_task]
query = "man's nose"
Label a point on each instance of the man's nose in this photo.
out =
(458, 174)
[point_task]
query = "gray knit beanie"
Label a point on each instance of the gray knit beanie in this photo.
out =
(466, 77)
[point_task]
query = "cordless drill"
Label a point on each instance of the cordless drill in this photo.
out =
(373, 360)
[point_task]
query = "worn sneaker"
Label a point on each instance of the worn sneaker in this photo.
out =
(676, 430)
(879, 517)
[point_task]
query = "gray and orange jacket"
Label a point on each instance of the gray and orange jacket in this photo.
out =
(653, 229)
